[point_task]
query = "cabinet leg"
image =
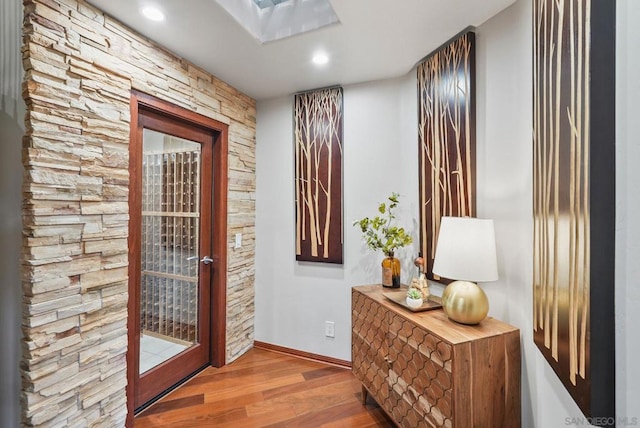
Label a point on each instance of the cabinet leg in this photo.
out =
(364, 395)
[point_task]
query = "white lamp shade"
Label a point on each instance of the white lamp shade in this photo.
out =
(466, 250)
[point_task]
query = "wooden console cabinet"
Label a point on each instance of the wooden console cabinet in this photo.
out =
(427, 371)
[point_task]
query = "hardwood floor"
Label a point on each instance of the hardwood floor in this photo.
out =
(267, 389)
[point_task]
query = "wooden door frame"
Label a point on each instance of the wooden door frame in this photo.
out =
(217, 352)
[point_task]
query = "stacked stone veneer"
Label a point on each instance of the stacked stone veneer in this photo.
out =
(80, 67)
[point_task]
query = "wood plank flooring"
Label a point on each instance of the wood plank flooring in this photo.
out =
(267, 389)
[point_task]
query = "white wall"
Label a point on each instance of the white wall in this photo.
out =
(12, 112)
(505, 176)
(294, 299)
(380, 149)
(627, 210)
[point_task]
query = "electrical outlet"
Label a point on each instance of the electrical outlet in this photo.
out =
(330, 329)
(238, 240)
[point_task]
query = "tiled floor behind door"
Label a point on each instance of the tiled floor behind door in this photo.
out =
(154, 350)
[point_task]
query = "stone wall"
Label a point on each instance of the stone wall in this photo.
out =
(80, 66)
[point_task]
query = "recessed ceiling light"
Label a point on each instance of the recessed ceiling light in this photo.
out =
(153, 13)
(320, 58)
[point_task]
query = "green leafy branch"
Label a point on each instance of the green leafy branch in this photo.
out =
(379, 233)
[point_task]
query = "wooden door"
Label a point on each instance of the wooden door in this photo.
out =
(176, 246)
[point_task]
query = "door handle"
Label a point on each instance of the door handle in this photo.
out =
(206, 259)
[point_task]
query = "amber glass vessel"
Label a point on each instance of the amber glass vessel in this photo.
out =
(390, 271)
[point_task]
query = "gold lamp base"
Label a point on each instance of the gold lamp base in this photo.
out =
(465, 302)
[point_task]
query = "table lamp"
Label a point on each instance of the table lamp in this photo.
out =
(466, 253)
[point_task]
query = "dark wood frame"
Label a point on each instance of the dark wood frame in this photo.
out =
(449, 201)
(594, 394)
(219, 175)
(603, 203)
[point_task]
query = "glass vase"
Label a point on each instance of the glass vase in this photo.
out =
(391, 271)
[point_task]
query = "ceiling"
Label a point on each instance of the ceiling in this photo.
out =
(375, 39)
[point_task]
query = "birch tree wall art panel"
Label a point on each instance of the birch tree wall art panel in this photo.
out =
(318, 175)
(447, 140)
(574, 197)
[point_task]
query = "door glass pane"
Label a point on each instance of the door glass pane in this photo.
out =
(169, 245)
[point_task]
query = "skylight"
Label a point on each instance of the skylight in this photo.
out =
(266, 22)
(263, 4)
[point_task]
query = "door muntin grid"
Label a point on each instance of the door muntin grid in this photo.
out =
(171, 173)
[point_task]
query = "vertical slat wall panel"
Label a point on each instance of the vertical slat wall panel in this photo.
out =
(169, 237)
